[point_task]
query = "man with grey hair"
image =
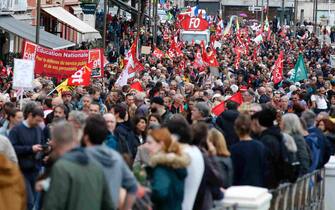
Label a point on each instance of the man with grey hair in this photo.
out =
(142, 108)
(74, 175)
(178, 104)
(201, 113)
(309, 118)
(77, 120)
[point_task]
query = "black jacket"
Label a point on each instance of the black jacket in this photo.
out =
(126, 139)
(209, 183)
(226, 123)
(271, 138)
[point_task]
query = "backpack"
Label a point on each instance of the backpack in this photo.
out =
(313, 143)
(289, 158)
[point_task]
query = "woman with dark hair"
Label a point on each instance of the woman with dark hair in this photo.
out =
(248, 155)
(154, 119)
(140, 129)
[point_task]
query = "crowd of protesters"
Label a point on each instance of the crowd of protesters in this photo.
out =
(111, 147)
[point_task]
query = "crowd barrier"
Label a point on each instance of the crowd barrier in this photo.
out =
(307, 193)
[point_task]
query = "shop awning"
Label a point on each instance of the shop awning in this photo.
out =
(67, 18)
(28, 32)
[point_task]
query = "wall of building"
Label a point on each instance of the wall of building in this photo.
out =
(305, 11)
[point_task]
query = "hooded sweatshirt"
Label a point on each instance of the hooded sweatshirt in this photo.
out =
(77, 183)
(116, 171)
(12, 190)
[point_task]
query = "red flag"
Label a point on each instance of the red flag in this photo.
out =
(138, 67)
(254, 55)
(174, 50)
(218, 109)
(210, 58)
(269, 35)
(82, 77)
(132, 65)
(137, 86)
(158, 53)
(202, 45)
(277, 71)
(237, 97)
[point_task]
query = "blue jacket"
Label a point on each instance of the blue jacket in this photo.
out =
(111, 142)
(326, 149)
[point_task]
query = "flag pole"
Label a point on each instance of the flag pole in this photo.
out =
(21, 98)
(53, 90)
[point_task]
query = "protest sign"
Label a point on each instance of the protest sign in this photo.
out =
(62, 63)
(146, 50)
(23, 74)
(214, 71)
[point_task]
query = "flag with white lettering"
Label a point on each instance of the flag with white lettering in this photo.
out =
(158, 53)
(82, 77)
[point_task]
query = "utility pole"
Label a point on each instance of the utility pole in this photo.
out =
(139, 11)
(315, 13)
(262, 14)
(154, 16)
(295, 16)
(257, 12)
(282, 12)
(149, 13)
(38, 21)
(105, 25)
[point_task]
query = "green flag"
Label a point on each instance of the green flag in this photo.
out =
(169, 16)
(300, 72)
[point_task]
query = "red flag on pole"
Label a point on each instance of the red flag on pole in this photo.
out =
(218, 109)
(158, 53)
(277, 69)
(237, 97)
(137, 86)
(238, 57)
(82, 77)
(174, 50)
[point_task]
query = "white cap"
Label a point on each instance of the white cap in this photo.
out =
(234, 88)
(293, 88)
